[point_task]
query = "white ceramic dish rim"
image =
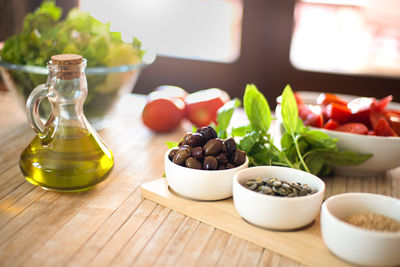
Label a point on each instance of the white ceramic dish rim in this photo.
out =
(312, 96)
(394, 235)
(197, 170)
(288, 199)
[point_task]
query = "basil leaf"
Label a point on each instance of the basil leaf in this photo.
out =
(319, 139)
(326, 169)
(290, 113)
(256, 108)
(171, 144)
(344, 158)
(240, 131)
(248, 141)
(266, 157)
(315, 163)
(286, 141)
(224, 116)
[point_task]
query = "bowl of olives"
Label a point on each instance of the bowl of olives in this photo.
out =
(202, 166)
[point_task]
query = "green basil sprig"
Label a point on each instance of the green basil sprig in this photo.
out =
(301, 148)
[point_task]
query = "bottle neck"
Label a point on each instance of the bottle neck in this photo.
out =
(68, 91)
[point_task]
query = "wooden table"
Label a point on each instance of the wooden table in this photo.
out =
(112, 225)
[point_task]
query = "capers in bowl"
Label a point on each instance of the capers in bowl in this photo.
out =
(203, 150)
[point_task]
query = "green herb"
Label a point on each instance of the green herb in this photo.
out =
(300, 147)
(224, 116)
(44, 34)
(171, 144)
(256, 108)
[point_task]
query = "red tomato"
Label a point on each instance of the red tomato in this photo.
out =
(202, 106)
(325, 99)
(360, 110)
(382, 128)
(371, 132)
(382, 104)
(394, 121)
(311, 115)
(337, 112)
(299, 100)
(163, 114)
(394, 111)
(353, 127)
(168, 91)
(377, 110)
(331, 124)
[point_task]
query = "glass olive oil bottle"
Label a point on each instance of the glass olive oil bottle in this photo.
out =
(67, 154)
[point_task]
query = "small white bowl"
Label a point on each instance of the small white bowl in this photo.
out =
(273, 212)
(200, 184)
(354, 244)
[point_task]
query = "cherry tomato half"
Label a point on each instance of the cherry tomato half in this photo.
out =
(202, 106)
(331, 124)
(394, 121)
(353, 127)
(382, 128)
(163, 114)
(337, 112)
(325, 99)
(360, 110)
(311, 115)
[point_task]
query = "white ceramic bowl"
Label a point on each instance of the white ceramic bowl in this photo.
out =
(385, 150)
(354, 244)
(200, 184)
(272, 212)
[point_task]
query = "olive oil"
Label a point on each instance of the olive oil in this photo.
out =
(66, 159)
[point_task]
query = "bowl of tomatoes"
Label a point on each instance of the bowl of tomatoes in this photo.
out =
(363, 124)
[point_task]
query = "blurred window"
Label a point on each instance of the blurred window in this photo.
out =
(194, 29)
(350, 37)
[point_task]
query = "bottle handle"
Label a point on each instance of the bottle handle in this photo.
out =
(32, 107)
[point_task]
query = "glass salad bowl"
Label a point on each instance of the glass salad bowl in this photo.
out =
(106, 85)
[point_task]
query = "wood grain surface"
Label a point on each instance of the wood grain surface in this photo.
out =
(112, 225)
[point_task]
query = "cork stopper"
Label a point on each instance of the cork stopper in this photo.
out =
(66, 59)
(67, 66)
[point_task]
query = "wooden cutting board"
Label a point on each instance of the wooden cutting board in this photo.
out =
(305, 246)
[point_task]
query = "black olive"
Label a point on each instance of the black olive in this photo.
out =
(193, 163)
(207, 132)
(212, 147)
(181, 155)
(230, 166)
(224, 149)
(195, 140)
(221, 167)
(222, 159)
(197, 153)
(238, 157)
(230, 145)
(184, 139)
(172, 153)
(210, 163)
